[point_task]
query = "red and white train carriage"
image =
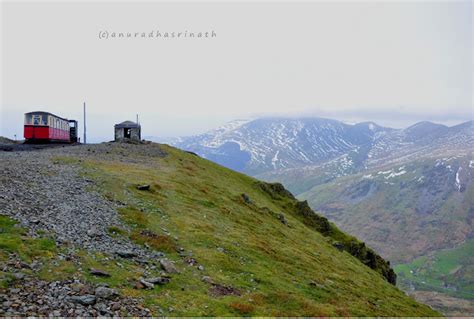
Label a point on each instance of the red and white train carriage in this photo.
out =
(47, 127)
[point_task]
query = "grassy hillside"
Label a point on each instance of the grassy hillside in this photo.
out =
(242, 247)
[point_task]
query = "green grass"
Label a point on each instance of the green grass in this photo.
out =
(279, 270)
(13, 240)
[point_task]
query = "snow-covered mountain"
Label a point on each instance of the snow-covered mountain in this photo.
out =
(270, 145)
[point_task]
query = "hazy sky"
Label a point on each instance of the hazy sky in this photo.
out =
(394, 63)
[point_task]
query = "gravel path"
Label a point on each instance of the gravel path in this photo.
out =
(43, 194)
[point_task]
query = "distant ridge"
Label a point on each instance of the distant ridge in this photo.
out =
(276, 143)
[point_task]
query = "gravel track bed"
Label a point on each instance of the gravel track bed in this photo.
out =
(43, 194)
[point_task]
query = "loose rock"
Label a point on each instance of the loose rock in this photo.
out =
(168, 266)
(85, 300)
(146, 284)
(99, 272)
(126, 253)
(246, 198)
(104, 292)
(282, 218)
(143, 187)
(207, 280)
(158, 280)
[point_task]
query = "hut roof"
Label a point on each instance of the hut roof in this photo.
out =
(127, 124)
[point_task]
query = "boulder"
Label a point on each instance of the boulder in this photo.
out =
(145, 187)
(246, 198)
(168, 266)
(85, 300)
(158, 280)
(19, 275)
(146, 284)
(99, 272)
(282, 218)
(104, 292)
(115, 306)
(93, 232)
(126, 253)
(207, 280)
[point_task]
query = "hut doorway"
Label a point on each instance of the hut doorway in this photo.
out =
(127, 130)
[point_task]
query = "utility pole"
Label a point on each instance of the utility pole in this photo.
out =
(85, 140)
(137, 118)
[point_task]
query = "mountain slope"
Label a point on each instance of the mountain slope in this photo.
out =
(240, 246)
(404, 211)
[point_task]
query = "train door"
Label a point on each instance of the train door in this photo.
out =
(73, 131)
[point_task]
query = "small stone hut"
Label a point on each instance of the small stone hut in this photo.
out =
(128, 130)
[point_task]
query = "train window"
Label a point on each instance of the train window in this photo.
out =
(45, 120)
(36, 119)
(28, 119)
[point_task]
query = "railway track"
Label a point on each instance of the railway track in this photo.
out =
(22, 147)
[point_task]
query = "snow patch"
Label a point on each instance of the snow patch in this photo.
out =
(275, 159)
(457, 184)
(393, 174)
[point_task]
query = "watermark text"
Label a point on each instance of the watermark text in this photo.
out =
(117, 35)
